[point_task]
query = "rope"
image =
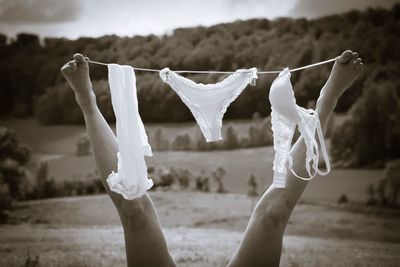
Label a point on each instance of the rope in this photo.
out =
(221, 72)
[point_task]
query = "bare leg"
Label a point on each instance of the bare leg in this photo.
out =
(262, 243)
(144, 240)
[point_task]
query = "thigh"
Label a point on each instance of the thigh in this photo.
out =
(262, 241)
(258, 248)
(144, 240)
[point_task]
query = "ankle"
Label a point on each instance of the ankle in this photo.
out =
(325, 106)
(328, 95)
(86, 102)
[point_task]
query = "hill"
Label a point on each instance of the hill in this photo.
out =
(32, 84)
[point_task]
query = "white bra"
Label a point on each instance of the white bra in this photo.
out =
(286, 114)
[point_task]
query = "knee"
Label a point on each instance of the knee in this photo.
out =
(132, 213)
(274, 215)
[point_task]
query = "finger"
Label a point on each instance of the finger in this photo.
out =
(79, 59)
(357, 61)
(345, 57)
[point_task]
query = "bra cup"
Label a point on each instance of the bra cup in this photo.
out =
(281, 91)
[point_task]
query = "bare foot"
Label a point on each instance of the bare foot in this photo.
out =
(347, 68)
(76, 72)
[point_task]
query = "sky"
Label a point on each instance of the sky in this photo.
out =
(93, 18)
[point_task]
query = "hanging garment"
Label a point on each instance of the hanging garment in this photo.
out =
(286, 114)
(209, 102)
(131, 179)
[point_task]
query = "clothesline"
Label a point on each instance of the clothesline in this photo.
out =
(221, 72)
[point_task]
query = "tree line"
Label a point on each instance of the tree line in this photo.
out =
(31, 83)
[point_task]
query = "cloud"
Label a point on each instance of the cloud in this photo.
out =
(318, 8)
(38, 11)
(75, 18)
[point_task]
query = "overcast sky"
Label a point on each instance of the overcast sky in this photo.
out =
(75, 18)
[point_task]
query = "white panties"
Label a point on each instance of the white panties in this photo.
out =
(209, 102)
(286, 114)
(131, 179)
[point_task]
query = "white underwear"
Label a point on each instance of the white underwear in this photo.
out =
(209, 102)
(131, 179)
(286, 114)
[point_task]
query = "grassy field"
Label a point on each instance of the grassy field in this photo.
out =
(85, 231)
(201, 229)
(61, 139)
(57, 145)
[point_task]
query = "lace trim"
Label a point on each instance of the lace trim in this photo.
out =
(147, 151)
(128, 192)
(283, 131)
(204, 127)
(211, 86)
(232, 98)
(200, 121)
(310, 128)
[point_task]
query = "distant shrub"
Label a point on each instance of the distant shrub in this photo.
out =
(158, 141)
(386, 191)
(83, 147)
(14, 155)
(206, 185)
(183, 177)
(165, 178)
(370, 190)
(181, 142)
(230, 140)
(392, 175)
(253, 185)
(343, 199)
(202, 182)
(202, 145)
(45, 187)
(253, 191)
(5, 202)
(381, 191)
(218, 176)
(81, 187)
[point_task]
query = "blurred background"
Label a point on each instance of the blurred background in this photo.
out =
(53, 208)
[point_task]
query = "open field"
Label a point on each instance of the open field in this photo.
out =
(61, 139)
(201, 229)
(238, 164)
(73, 232)
(57, 145)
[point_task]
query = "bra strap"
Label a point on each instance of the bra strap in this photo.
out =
(309, 136)
(323, 148)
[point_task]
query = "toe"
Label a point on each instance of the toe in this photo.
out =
(345, 57)
(79, 59)
(354, 56)
(65, 69)
(72, 64)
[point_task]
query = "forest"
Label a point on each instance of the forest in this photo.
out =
(32, 85)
